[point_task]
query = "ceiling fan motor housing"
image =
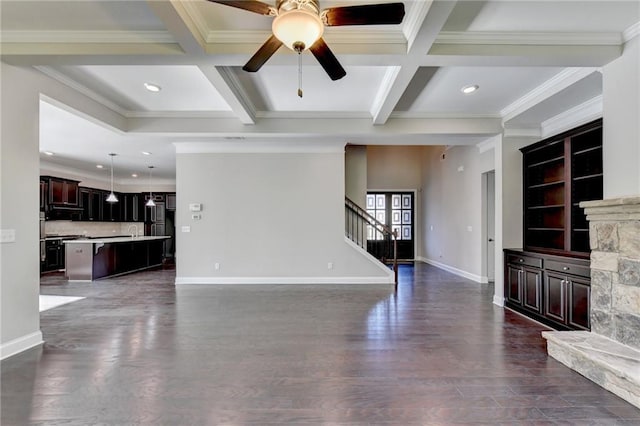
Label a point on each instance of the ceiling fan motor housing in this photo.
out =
(309, 5)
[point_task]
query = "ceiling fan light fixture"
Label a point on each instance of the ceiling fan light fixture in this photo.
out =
(298, 26)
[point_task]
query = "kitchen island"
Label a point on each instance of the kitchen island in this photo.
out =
(92, 259)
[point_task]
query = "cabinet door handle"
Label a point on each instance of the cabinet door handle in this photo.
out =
(565, 268)
(521, 260)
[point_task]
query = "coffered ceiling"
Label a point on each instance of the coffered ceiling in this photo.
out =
(532, 60)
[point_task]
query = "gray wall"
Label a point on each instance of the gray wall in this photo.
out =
(621, 117)
(19, 197)
(267, 217)
(393, 167)
(452, 206)
(355, 176)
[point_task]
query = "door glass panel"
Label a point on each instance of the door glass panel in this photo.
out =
(395, 201)
(395, 218)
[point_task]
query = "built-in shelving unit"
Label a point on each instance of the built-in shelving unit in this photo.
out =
(559, 173)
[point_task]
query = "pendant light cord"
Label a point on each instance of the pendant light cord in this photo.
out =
(300, 74)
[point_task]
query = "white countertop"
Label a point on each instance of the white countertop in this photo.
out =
(116, 239)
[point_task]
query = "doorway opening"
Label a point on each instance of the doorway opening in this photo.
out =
(395, 210)
(488, 226)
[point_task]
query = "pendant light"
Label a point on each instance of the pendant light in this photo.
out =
(112, 197)
(150, 203)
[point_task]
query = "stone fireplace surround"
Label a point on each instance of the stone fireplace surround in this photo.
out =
(609, 355)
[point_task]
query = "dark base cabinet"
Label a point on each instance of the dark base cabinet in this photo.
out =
(554, 290)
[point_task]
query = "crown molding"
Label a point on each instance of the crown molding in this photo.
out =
(529, 38)
(487, 145)
(415, 19)
(442, 115)
(336, 36)
(576, 116)
(87, 37)
(522, 133)
(62, 78)
(179, 114)
(335, 115)
(560, 81)
(260, 147)
(196, 17)
(632, 32)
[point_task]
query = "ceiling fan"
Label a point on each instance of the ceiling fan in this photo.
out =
(299, 24)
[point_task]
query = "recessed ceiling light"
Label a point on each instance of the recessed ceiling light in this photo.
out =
(146, 153)
(99, 166)
(134, 175)
(469, 89)
(47, 153)
(152, 87)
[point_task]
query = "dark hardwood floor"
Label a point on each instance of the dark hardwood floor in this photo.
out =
(138, 351)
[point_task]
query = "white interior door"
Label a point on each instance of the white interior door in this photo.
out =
(491, 224)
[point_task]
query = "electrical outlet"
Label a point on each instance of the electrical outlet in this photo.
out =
(216, 266)
(330, 265)
(7, 236)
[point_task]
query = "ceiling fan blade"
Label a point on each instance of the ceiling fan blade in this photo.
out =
(250, 5)
(327, 59)
(263, 54)
(369, 14)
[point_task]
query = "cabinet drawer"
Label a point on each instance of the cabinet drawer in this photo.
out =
(568, 268)
(524, 260)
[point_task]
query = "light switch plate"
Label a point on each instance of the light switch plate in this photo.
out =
(186, 229)
(7, 236)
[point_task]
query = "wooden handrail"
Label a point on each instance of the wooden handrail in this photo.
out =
(364, 216)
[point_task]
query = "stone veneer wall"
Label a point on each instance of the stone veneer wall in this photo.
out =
(614, 231)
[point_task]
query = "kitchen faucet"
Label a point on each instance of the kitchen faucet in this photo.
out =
(135, 227)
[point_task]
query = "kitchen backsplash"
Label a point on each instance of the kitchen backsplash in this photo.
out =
(92, 229)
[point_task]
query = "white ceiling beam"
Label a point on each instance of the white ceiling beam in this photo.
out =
(180, 25)
(435, 14)
(226, 83)
(207, 128)
(393, 85)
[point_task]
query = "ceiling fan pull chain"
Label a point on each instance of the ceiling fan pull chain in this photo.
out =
(300, 74)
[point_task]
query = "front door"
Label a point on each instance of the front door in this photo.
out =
(394, 209)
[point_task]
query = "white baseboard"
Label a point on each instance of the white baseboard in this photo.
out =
(453, 270)
(15, 346)
(285, 280)
(499, 301)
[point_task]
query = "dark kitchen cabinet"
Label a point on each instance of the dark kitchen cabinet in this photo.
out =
(131, 208)
(524, 282)
(91, 203)
(61, 192)
(111, 212)
(43, 194)
(554, 290)
(54, 255)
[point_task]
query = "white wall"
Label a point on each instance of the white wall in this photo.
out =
(355, 177)
(21, 89)
(621, 123)
(267, 217)
(452, 206)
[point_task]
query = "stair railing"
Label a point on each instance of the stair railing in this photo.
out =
(372, 235)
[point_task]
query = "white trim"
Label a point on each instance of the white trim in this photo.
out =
(282, 280)
(555, 84)
(336, 37)
(196, 17)
(522, 133)
(454, 270)
(576, 116)
(630, 33)
(249, 146)
(85, 37)
(180, 114)
(443, 115)
(414, 21)
(15, 346)
(289, 115)
(487, 145)
(529, 38)
(498, 301)
(384, 89)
